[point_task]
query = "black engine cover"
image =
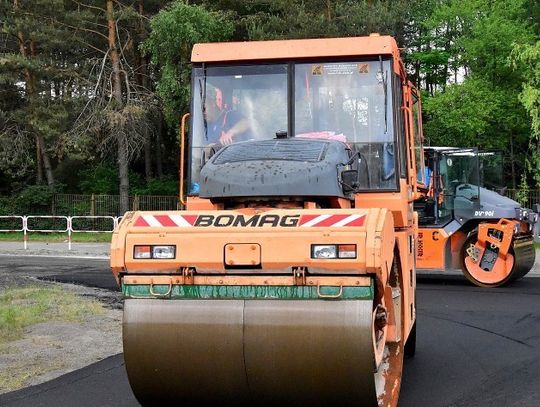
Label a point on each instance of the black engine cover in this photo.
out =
(292, 167)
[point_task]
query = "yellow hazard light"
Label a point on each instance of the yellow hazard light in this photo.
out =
(154, 252)
(333, 251)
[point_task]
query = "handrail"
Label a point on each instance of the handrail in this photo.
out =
(21, 218)
(64, 218)
(182, 154)
(69, 229)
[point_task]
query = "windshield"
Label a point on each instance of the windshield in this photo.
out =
(349, 101)
(232, 104)
(491, 170)
(345, 101)
(460, 178)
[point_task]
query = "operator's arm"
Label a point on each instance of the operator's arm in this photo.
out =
(241, 126)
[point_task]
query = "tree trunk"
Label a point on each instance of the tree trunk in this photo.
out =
(148, 158)
(113, 52)
(123, 172)
(42, 158)
(328, 10)
(159, 159)
(39, 173)
(142, 78)
(46, 162)
(122, 156)
(42, 150)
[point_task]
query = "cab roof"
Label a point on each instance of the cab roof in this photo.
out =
(295, 49)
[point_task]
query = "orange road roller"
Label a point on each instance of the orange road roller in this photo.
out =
(289, 275)
(464, 225)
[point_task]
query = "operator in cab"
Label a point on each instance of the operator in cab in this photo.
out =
(224, 125)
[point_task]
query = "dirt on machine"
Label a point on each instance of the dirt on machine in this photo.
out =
(289, 277)
(466, 224)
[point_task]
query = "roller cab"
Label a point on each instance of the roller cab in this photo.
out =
(289, 274)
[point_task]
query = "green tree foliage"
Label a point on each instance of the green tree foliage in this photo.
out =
(473, 113)
(324, 18)
(33, 69)
(526, 60)
(77, 114)
(174, 31)
(483, 108)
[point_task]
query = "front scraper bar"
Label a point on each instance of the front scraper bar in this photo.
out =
(245, 292)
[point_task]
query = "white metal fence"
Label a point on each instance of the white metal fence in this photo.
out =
(58, 224)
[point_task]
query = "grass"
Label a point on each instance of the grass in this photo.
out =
(7, 349)
(537, 245)
(17, 375)
(102, 237)
(22, 307)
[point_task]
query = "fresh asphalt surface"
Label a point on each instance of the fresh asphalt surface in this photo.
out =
(476, 347)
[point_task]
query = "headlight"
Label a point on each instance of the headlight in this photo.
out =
(163, 252)
(319, 251)
(333, 251)
(154, 252)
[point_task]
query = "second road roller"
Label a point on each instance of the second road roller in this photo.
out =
(464, 225)
(289, 275)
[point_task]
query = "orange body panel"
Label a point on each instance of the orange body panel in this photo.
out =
(399, 203)
(278, 248)
(437, 250)
(323, 48)
(405, 243)
(431, 248)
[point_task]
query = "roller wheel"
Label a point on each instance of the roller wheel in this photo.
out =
(480, 277)
(211, 353)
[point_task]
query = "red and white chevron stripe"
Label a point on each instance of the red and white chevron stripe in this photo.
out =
(156, 221)
(329, 220)
(305, 221)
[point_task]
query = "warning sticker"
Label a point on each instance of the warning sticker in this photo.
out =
(363, 68)
(316, 69)
(339, 69)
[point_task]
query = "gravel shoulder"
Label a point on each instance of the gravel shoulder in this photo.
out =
(89, 250)
(54, 348)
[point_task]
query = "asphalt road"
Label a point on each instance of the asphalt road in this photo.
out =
(476, 347)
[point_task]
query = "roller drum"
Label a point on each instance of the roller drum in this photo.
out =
(524, 255)
(184, 351)
(258, 352)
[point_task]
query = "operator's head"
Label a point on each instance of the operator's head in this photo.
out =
(211, 109)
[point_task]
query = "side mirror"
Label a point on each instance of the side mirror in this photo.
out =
(349, 181)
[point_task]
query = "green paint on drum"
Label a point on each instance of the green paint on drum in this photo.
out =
(245, 292)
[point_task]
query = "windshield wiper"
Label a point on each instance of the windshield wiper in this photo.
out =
(384, 81)
(202, 94)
